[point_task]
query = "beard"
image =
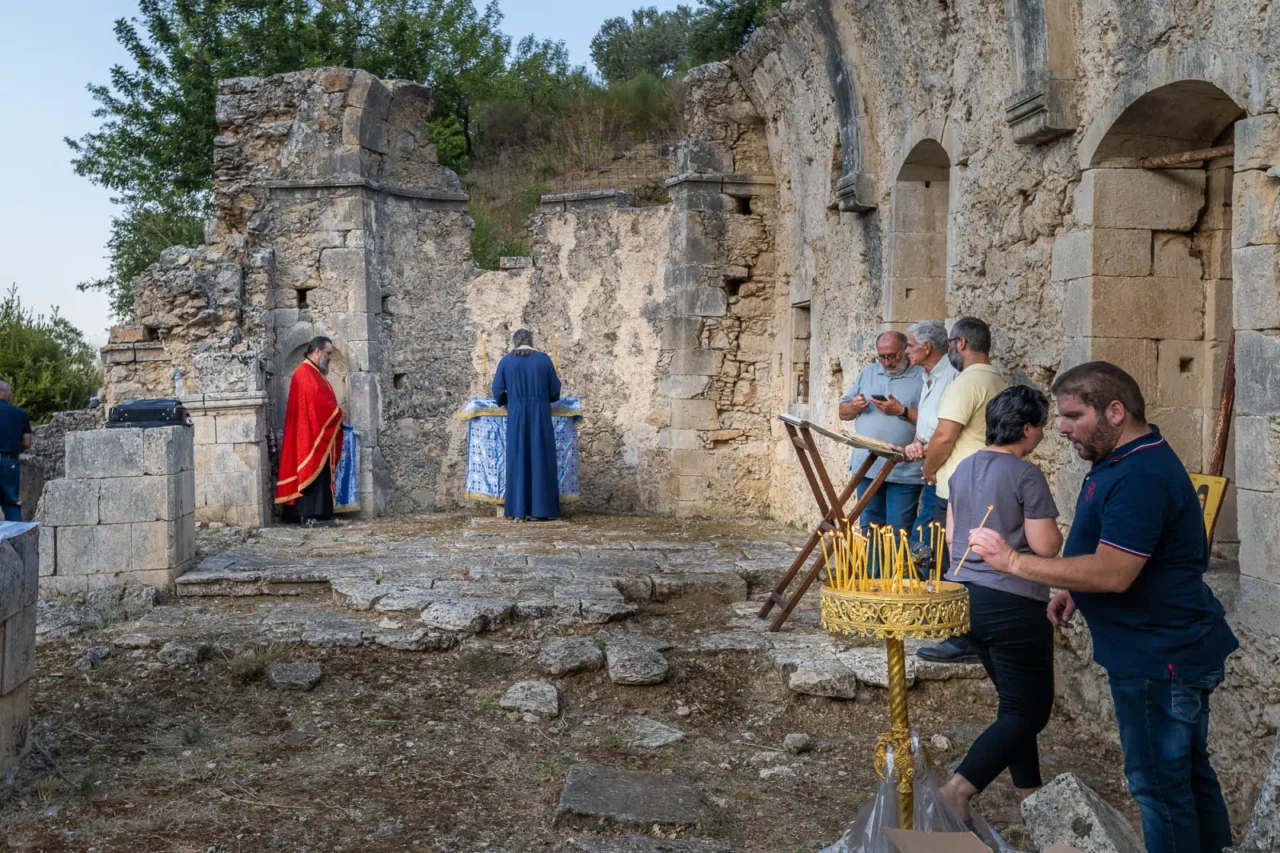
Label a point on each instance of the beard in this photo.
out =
(324, 366)
(1099, 444)
(903, 366)
(957, 361)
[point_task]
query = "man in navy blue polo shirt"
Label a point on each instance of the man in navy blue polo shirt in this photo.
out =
(1134, 565)
(15, 437)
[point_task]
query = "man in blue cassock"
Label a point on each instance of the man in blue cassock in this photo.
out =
(526, 383)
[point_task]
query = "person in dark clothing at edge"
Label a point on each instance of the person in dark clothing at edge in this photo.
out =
(15, 437)
(1134, 565)
(1008, 627)
(526, 383)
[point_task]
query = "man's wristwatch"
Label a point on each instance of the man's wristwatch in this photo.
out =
(903, 416)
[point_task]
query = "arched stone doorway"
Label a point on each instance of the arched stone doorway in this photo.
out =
(1148, 272)
(918, 237)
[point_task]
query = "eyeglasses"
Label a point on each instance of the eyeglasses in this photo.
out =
(890, 357)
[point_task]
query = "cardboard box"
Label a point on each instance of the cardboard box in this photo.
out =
(910, 841)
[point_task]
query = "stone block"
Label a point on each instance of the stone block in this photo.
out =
(1172, 258)
(345, 267)
(1218, 301)
(204, 429)
(696, 362)
(1138, 356)
(691, 463)
(15, 730)
(129, 452)
(1257, 380)
(17, 650)
(1160, 308)
(683, 387)
(1182, 372)
(364, 401)
(1263, 831)
(1257, 141)
(1215, 252)
(12, 582)
(1159, 199)
(694, 414)
(1253, 216)
(912, 299)
(594, 793)
(1183, 428)
(48, 550)
(681, 333)
(70, 502)
(93, 550)
(920, 255)
(1256, 297)
(345, 213)
(919, 208)
(1219, 182)
(228, 490)
(1262, 436)
(702, 302)
(679, 439)
(1067, 811)
(228, 373)
(137, 499)
(1259, 526)
(241, 427)
(158, 545)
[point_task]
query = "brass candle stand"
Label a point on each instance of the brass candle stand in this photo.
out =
(894, 612)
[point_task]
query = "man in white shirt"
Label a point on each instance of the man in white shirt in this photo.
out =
(927, 348)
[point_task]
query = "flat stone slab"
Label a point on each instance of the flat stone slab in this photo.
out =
(635, 661)
(294, 676)
(651, 734)
(569, 656)
(533, 697)
(639, 844)
(871, 666)
(732, 641)
(594, 792)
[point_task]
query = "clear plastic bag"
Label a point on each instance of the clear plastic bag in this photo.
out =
(864, 834)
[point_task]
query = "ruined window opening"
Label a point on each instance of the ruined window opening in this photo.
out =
(917, 285)
(742, 205)
(801, 333)
(302, 297)
(733, 286)
(400, 380)
(386, 304)
(1186, 365)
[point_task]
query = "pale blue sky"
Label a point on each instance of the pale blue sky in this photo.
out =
(53, 223)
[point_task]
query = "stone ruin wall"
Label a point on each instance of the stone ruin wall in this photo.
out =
(866, 106)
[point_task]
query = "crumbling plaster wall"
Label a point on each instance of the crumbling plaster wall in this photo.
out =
(847, 89)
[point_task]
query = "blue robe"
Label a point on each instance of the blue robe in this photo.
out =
(527, 385)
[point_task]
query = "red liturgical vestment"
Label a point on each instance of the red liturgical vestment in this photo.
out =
(312, 424)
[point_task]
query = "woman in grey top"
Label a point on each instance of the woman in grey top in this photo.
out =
(1008, 621)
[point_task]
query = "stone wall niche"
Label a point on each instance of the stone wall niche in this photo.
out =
(1148, 283)
(1042, 49)
(918, 238)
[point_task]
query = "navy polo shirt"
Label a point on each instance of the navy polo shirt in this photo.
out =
(1168, 623)
(14, 424)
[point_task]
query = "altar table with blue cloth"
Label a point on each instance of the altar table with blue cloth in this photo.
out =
(487, 448)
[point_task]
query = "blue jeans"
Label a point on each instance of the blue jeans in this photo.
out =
(1164, 731)
(10, 482)
(928, 500)
(894, 503)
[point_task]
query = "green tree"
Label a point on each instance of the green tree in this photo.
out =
(48, 362)
(722, 27)
(154, 147)
(652, 42)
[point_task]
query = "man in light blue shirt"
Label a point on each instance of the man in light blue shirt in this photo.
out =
(881, 404)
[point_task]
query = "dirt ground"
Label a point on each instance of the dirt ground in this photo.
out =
(403, 751)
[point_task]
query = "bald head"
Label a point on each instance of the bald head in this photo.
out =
(891, 349)
(6, 392)
(895, 338)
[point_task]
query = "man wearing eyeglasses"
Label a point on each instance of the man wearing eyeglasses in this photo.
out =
(882, 404)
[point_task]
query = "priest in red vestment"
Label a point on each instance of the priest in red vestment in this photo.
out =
(311, 447)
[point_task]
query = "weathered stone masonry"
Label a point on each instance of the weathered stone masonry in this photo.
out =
(19, 573)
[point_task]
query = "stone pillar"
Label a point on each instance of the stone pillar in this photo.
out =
(19, 575)
(232, 469)
(1042, 47)
(1256, 314)
(123, 515)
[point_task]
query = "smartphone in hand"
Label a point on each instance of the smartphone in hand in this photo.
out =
(882, 398)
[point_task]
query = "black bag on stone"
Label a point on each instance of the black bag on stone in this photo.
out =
(148, 413)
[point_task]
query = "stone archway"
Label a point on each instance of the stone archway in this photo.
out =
(917, 287)
(1148, 275)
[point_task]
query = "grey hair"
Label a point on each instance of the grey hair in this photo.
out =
(522, 338)
(930, 332)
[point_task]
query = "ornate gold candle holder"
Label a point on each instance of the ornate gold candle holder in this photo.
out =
(895, 612)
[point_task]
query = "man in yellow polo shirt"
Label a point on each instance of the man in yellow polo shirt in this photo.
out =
(961, 432)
